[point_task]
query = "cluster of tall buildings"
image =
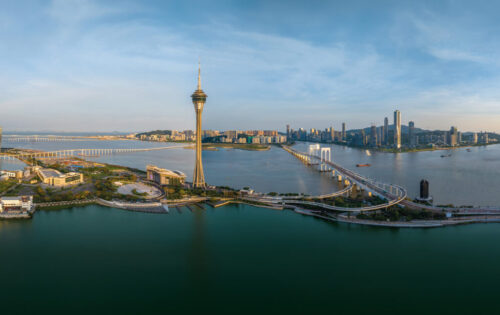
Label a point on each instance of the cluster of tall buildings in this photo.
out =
(394, 135)
(383, 136)
(317, 135)
(215, 136)
(248, 136)
(165, 135)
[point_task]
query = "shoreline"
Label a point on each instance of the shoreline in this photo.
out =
(157, 208)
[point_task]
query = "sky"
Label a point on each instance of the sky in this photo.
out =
(89, 65)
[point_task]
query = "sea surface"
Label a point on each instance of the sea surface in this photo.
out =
(241, 259)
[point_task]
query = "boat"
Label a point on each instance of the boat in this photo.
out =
(363, 165)
(368, 153)
(469, 150)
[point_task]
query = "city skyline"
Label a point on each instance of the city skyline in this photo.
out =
(89, 61)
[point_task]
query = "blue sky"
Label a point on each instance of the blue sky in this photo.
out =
(84, 65)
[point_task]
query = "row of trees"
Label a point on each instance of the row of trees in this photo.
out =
(50, 195)
(396, 213)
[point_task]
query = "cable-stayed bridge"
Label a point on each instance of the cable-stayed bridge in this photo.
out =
(394, 194)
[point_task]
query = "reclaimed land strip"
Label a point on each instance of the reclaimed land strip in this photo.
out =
(65, 203)
(409, 224)
(152, 207)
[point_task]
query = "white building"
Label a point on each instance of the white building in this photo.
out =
(16, 204)
(55, 178)
(19, 174)
(279, 139)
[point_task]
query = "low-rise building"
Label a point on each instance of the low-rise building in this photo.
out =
(13, 174)
(16, 204)
(165, 177)
(55, 178)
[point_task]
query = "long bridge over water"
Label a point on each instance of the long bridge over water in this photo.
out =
(44, 138)
(80, 153)
(394, 194)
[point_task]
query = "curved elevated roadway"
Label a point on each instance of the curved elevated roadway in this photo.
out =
(393, 193)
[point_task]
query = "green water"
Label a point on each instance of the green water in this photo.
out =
(241, 259)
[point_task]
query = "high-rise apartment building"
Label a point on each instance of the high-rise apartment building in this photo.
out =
(411, 133)
(373, 136)
(302, 134)
(453, 136)
(397, 129)
(386, 131)
(363, 137)
(343, 132)
(380, 135)
(484, 137)
(474, 138)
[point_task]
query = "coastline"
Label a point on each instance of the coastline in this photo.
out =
(158, 208)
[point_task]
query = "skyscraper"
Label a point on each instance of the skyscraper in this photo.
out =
(412, 139)
(397, 129)
(380, 135)
(343, 132)
(0, 139)
(453, 136)
(332, 134)
(474, 138)
(199, 98)
(373, 136)
(287, 132)
(386, 131)
(484, 137)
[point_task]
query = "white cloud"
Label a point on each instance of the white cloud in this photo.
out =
(141, 73)
(72, 12)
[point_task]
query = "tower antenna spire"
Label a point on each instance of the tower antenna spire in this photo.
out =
(199, 74)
